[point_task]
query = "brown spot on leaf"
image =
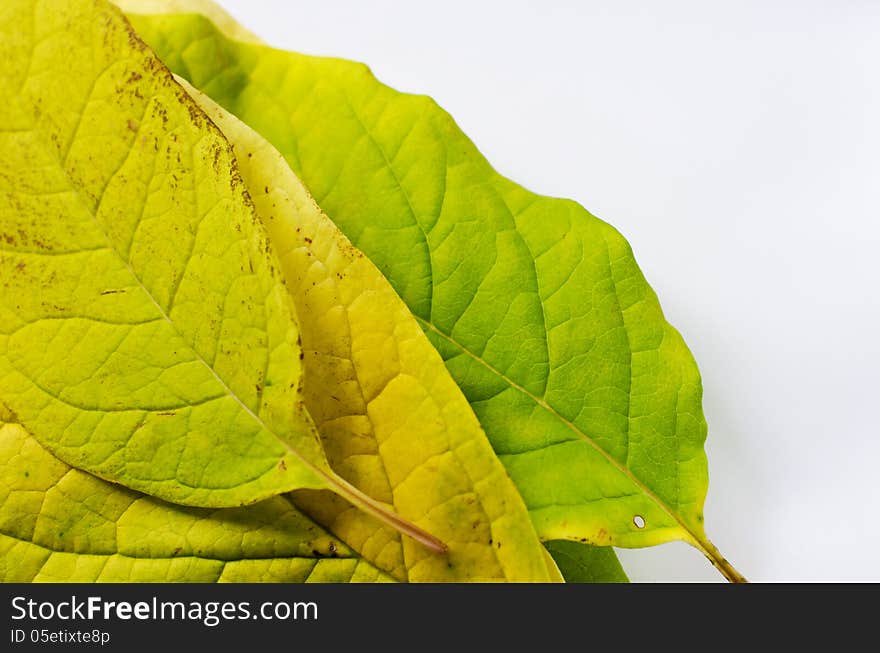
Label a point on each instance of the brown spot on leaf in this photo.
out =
(194, 114)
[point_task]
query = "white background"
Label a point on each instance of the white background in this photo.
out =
(737, 146)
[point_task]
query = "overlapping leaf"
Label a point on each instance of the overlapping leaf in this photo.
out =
(60, 524)
(149, 331)
(145, 334)
(590, 398)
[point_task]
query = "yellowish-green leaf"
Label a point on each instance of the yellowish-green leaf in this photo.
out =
(146, 335)
(60, 524)
(392, 420)
(590, 398)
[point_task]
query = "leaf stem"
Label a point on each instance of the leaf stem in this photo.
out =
(718, 561)
(383, 514)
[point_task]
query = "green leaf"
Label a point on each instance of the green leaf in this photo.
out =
(60, 524)
(582, 563)
(590, 398)
(392, 420)
(146, 334)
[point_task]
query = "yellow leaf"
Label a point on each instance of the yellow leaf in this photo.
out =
(60, 524)
(145, 333)
(391, 419)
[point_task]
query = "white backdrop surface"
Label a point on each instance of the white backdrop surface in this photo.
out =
(737, 147)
